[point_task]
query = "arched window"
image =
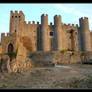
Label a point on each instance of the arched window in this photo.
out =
(10, 48)
(51, 33)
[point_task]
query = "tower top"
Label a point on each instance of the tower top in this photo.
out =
(17, 13)
(83, 18)
(44, 15)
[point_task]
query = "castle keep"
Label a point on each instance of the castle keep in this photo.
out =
(45, 37)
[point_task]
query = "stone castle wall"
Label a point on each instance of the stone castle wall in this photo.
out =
(37, 36)
(70, 41)
(30, 31)
(6, 40)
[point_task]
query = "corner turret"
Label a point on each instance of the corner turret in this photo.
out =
(85, 34)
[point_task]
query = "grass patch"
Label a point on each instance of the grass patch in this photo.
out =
(63, 51)
(12, 55)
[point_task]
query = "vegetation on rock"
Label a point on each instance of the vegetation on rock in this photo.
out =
(12, 55)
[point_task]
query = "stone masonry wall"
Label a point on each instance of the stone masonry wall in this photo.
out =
(6, 40)
(45, 59)
(30, 31)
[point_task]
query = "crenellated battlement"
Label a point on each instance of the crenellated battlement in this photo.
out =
(7, 34)
(57, 16)
(33, 22)
(37, 23)
(2, 34)
(64, 25)
(72, 25)
(12, 13)
(50, 23)
(21, 13)
(17, 14)
(83, 19)
(44, 15)
(77, 25)
(25, 22)
(69, 25)
(29, 22)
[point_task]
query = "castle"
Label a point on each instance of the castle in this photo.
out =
(45, 37)
(42, 39)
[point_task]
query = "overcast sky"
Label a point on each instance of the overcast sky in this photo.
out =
(70, 13)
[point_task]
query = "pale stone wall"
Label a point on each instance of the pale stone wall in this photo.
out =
(30, 31)
(68, 41)
(51, 29)
(6, 40)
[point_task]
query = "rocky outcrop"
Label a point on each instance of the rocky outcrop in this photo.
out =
(26, 60)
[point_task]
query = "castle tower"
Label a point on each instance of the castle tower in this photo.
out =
(85, 34)
(16, 21)
(58, 32)
(45, 33)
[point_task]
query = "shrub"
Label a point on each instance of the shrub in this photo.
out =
(71, 31)
(12, 55)
(63, 51)
(70, 50)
